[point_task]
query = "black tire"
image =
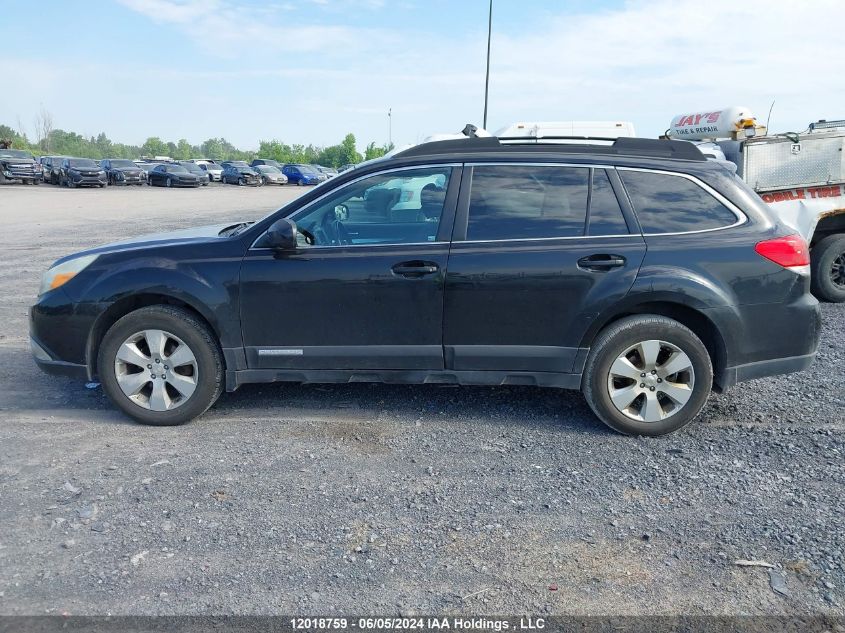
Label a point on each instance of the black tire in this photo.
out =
(241, 182)
(186, 326)
(621, 335)
(827, 269)
(168, 183)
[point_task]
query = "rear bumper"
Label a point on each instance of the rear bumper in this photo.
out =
(772, 340)
(764, 368)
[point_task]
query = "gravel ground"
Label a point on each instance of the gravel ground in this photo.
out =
(392, 499)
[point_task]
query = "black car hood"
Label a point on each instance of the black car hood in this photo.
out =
(128, 170)
(17, 161)
(198, 234)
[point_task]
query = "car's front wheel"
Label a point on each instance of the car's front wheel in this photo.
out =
(647, 375)
(161, 365)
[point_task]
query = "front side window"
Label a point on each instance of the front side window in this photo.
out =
(398, 207)
(673, 204)
(510, 202)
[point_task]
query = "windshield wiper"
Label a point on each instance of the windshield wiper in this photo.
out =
(230, 231)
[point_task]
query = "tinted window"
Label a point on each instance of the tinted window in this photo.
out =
(605, 214)
(672, 204)
(399, 207)
(519, 202)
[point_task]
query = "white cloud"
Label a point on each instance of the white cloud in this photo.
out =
(644, 62)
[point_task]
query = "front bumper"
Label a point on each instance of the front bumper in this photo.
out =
(186, 183)
(81, 180)
(127, 179)
(25, 175)
(50, 365)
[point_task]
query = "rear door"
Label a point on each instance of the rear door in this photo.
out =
(538, 251)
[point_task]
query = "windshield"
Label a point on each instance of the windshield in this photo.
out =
(84, 163)
(267, 169)
(307, 169)
(123, 164)
(15, 153)
(191, 167)
(238, 163)
(176, 169)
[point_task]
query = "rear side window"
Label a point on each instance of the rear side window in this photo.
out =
(524, 202)
(605, 214)
(673, 204)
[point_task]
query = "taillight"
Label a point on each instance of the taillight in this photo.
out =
(790, 251)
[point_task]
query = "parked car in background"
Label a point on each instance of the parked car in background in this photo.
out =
(51, 169)
(18, 164)
(299, 174)
(271, 175)
(122, 171)
(267, 161)
(330, 172)
(237, 172)
(345, 167)
(197, 171)
(172, 175)
(146, 167)
(214, 171)
(212, 167)
(82, 172)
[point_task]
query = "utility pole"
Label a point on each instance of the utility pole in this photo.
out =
(487, 77)
(390, 126)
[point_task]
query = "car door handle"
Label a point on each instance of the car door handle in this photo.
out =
(415, 269)
(601, 262)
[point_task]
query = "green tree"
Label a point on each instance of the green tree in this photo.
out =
(154, 146)
(349, 155)
(374, 151)
(184, 150)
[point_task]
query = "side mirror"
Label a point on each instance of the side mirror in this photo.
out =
(282, 235)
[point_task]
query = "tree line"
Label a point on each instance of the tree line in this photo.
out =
(58, 142)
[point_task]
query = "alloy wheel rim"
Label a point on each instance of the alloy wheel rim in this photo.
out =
(651, 381)
(837, 271)
(156, 370)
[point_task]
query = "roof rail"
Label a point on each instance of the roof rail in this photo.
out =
(622, 146)
(537, 139)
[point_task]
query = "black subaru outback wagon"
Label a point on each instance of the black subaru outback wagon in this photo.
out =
(638, 272)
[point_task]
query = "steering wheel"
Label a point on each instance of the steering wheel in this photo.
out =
(343, 237)
(331, 231)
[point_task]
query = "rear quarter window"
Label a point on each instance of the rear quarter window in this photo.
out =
(673, 204)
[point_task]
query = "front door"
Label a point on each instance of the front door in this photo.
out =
(539, 251)
(365, 288)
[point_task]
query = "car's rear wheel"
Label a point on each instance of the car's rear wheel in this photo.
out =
(647, 375)
(827, 269)
(161, 365)
(168, 183)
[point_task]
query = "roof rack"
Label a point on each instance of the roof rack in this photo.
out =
(622, 146)
(537, 139)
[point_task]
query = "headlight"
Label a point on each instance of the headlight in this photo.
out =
(63, 273)
(101, 173)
